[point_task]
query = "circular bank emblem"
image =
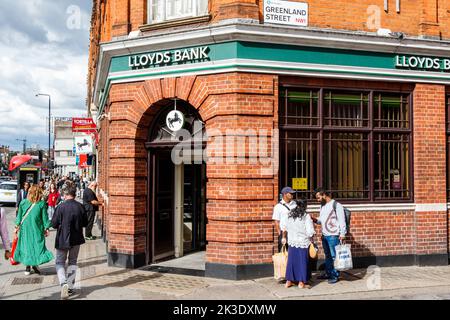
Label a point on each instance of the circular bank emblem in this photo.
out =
(175, 120)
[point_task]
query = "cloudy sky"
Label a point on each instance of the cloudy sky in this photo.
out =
(43, 49)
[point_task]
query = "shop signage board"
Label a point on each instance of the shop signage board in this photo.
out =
(175, 120)
(300, 183)
(286, 12)
(170, 57)
(422, 63)
(85, 125)
(83, 144)
(83, 161)
(268, 53)
(276, 58)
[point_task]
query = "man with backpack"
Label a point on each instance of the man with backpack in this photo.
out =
(282, 208)
(334, 228)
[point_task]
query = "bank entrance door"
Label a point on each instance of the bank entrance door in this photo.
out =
(178, 207)
(176, 189)
(162, 242)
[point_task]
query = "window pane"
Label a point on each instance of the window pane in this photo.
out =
(202, 7)
(302, 108)
(158, 10)
(299, 157)
(346, 171)
(391, 166)
(179, 9)
(8, 187)
(345, 109)
(391, 110)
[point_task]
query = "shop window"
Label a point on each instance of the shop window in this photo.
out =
(302, 108)
(301, 153)
(355, 144)
(343, 109)
(165, 10)
(391, 111)
(346, 164)
(391, 166)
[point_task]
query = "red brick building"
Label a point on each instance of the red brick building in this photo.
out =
(349, 95)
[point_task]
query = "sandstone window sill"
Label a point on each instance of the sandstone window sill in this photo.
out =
(174, 23)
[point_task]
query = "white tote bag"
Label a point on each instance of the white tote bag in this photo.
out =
(343, 260)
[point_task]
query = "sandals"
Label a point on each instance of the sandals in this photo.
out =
(302, 285)
(7, 255)
(288, 284)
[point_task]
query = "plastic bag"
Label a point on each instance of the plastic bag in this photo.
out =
(343, 260)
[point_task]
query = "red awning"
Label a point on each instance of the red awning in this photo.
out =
(17, 161)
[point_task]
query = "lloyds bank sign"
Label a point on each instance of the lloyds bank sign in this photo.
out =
(169, 57)
(422, 63)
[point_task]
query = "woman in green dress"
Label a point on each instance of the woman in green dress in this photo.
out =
(31, 250)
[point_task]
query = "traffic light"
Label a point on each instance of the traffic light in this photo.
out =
(40, 156)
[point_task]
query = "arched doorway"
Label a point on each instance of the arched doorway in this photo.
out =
(177, 187)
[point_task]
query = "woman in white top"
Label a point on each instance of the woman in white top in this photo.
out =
(299, 226)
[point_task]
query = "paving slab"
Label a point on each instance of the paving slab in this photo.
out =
(98, 281)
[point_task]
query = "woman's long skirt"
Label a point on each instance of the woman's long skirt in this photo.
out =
(297, 265)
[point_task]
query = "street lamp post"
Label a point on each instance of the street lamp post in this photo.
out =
(49, 125)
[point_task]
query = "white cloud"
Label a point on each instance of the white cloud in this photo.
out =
(39, 53)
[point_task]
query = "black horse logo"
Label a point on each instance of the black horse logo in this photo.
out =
(171, 121)
(85, 143)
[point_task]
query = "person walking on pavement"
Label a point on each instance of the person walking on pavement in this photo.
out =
(22, 194)
(32, 226)
(4, 233)
(334, 229)
(61, 182)
(297, 224)
(45, 191)
(69, 219)
(52, 200)
(91, 205)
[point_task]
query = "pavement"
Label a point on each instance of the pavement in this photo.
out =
(96, 281)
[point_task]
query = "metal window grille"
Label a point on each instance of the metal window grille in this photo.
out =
(356, 144)
(448, 145)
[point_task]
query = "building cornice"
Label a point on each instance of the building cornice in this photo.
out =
(252, 32)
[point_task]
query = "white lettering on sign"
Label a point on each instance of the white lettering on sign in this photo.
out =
(167, 57)
(422, 63)
(286, 12)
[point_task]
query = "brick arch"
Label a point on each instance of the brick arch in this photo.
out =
(239, 227)
(132, 107)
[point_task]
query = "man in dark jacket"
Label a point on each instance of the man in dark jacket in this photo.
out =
(69, 219)
(22, 194)
(91, 204)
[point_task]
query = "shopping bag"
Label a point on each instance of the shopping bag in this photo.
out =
(313, 250)
(343, 260)
(13, 250)
(280, 263)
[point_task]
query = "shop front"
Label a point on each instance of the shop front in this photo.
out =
(198, 136)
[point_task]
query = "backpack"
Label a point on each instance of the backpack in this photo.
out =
(347, 214)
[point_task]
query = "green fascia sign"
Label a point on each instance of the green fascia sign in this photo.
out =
(278, 53)
(274, 57)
